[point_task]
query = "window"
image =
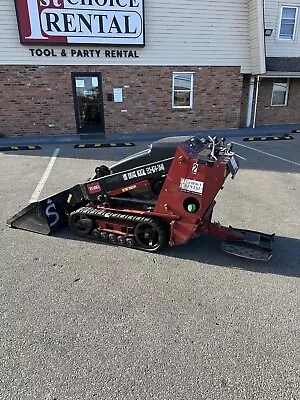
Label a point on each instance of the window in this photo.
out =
(182, 92)
(280, 92)
(288, 23)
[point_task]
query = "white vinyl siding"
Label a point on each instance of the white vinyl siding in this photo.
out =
(276, 47)
(210, 33)
(256, 36)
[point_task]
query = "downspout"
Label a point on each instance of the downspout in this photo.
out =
(250, 101)
(256, 101)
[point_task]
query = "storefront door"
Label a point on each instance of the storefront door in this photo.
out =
(88, 102)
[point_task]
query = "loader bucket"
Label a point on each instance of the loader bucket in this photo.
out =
(47, 215)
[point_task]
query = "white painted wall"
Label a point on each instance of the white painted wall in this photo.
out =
(194, 32)
(274, 46)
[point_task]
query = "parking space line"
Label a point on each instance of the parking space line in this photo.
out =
(44, 178)
(267, 154)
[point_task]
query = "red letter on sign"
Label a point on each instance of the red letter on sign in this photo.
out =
(34, 18)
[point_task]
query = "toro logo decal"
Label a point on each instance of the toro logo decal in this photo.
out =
(93, 187)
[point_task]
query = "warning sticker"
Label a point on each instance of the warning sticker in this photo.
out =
(191, 186)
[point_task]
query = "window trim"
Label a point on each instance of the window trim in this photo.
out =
(191, 91)
(295, 23)
(287, 93)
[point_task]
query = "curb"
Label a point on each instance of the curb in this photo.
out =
(101, 145)
(19, 148)
(267, 138)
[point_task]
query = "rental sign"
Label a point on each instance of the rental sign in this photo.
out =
(119, 22)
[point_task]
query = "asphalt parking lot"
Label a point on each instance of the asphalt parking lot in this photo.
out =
(82, 320)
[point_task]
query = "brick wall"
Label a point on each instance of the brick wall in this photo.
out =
(39, 99)
(270, 115)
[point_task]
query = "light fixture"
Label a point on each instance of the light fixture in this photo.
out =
(268, 32)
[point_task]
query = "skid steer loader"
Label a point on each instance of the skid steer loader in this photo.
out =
(163, 195)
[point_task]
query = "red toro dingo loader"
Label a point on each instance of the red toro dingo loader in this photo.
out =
(164, 195)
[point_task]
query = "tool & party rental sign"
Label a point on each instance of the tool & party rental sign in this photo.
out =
(118, 22)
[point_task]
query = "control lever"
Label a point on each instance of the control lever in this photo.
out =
(213, 147)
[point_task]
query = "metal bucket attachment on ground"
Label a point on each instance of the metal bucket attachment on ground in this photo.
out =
(49, 214)
(254, 245)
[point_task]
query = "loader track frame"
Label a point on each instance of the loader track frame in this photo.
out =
(120, 228)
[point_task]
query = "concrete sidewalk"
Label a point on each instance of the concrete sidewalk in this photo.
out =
(147, 136)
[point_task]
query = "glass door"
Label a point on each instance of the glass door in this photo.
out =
(88, 102)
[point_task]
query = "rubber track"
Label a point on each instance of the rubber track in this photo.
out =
(115, 215)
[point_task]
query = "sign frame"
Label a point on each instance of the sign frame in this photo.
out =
(26, 23)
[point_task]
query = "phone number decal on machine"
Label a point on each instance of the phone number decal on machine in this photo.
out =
(191, 186)
(152, 169)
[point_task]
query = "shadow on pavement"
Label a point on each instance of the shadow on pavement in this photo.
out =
(207, 250)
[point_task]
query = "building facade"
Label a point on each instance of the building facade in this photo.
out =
(117, 66)
(277, 92)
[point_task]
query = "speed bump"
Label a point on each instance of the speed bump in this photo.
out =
(102, 145)
(266, 138)
(296, 131)
(19, 148)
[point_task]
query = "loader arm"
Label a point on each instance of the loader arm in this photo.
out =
(52, 213)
